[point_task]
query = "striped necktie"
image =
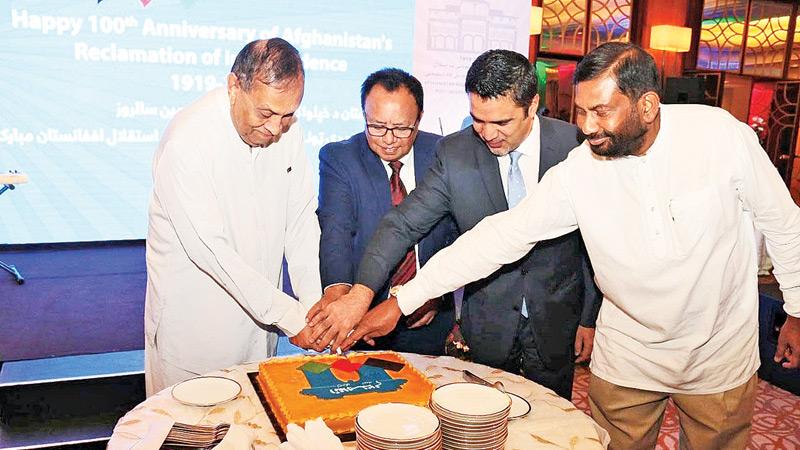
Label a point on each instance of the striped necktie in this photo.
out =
(408, 266)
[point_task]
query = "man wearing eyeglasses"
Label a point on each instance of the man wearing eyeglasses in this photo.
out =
(361, 179)
(534, 316)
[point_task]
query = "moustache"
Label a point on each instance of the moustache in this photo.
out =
(599, 135)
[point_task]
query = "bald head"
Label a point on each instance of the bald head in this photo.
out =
(271, 61)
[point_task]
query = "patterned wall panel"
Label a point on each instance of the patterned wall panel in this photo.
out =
(767, 34)
(610, 21)
(782, 132)
(563, 26)
(794, 63)
(721, 34)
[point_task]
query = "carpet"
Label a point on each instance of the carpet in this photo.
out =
(776, 420)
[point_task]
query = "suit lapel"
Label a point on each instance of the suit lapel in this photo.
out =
(489, 169)
(548, 157)
(376, 174)
(422, 161)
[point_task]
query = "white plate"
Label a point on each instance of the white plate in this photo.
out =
(472, 399)
(519, 406)
(397, 421)
(206, 391)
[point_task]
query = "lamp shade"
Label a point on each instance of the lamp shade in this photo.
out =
(670, 38)
(536, 20)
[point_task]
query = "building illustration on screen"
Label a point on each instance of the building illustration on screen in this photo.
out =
(470, 26)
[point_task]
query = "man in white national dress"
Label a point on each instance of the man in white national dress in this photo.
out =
(666, 198)
(232, 195)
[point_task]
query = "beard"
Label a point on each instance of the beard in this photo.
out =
(625, 141)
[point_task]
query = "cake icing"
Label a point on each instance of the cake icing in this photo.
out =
(336, 388)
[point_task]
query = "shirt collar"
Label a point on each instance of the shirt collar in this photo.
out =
(406, 160)
(531, 143)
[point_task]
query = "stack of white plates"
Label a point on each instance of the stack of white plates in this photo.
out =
(472, 416)
(394, 426)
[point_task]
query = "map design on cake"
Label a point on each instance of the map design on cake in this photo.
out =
(343, 377)
(300, 388)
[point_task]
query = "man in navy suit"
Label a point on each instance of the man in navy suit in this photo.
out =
(356, 190)
(532, 316)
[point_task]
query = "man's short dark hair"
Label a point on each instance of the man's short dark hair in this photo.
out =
(631, 67)
(496, 73)
(270, 61)
(392, 79)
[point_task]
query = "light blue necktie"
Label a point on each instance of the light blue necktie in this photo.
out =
(515, 193)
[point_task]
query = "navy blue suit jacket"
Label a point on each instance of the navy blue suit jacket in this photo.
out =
(353, 197)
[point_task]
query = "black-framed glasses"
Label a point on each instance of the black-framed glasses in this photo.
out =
(398, 132)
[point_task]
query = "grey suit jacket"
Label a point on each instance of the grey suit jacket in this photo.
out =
(555, 277)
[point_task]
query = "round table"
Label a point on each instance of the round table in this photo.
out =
(553, 422)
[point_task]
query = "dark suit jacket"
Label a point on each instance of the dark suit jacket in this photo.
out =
(555, 277)
(353, 197)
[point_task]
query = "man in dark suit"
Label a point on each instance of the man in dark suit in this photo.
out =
(356, 190)
(531, 317)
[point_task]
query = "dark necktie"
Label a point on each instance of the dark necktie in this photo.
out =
(408, 267)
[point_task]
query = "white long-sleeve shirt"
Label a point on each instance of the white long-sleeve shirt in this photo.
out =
(222, 217)
(528, 163)
(670, 237)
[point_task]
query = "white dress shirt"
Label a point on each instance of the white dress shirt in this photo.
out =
(528, 163)
(408, 177)
(670, 237)
(407, 174)
(222, 216)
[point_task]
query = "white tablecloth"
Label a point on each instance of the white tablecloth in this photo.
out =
(553, 422)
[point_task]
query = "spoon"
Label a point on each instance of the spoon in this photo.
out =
(469, 376)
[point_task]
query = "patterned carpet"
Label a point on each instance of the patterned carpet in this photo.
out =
(776, 421)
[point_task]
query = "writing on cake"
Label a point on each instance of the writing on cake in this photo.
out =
(343, 377)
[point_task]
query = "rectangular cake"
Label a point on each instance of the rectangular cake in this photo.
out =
(336, 387)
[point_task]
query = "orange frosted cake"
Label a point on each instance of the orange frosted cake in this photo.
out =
(336, 387)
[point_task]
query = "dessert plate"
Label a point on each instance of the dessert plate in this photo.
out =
(519, 406)
(206, 391)
(469, 399)
(397, 421)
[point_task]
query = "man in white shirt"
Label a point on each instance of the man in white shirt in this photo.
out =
(666, 198)
(232, 195)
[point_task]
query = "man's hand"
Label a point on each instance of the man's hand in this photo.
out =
(332, 322)
(789, 343)
(584, 342)
(303, 338)
(424, 314)
(331, 294)
(379, 321)
(425, 319)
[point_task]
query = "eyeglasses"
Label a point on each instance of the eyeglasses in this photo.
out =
(398, 132)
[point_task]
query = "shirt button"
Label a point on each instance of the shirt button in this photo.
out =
(516, 308)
